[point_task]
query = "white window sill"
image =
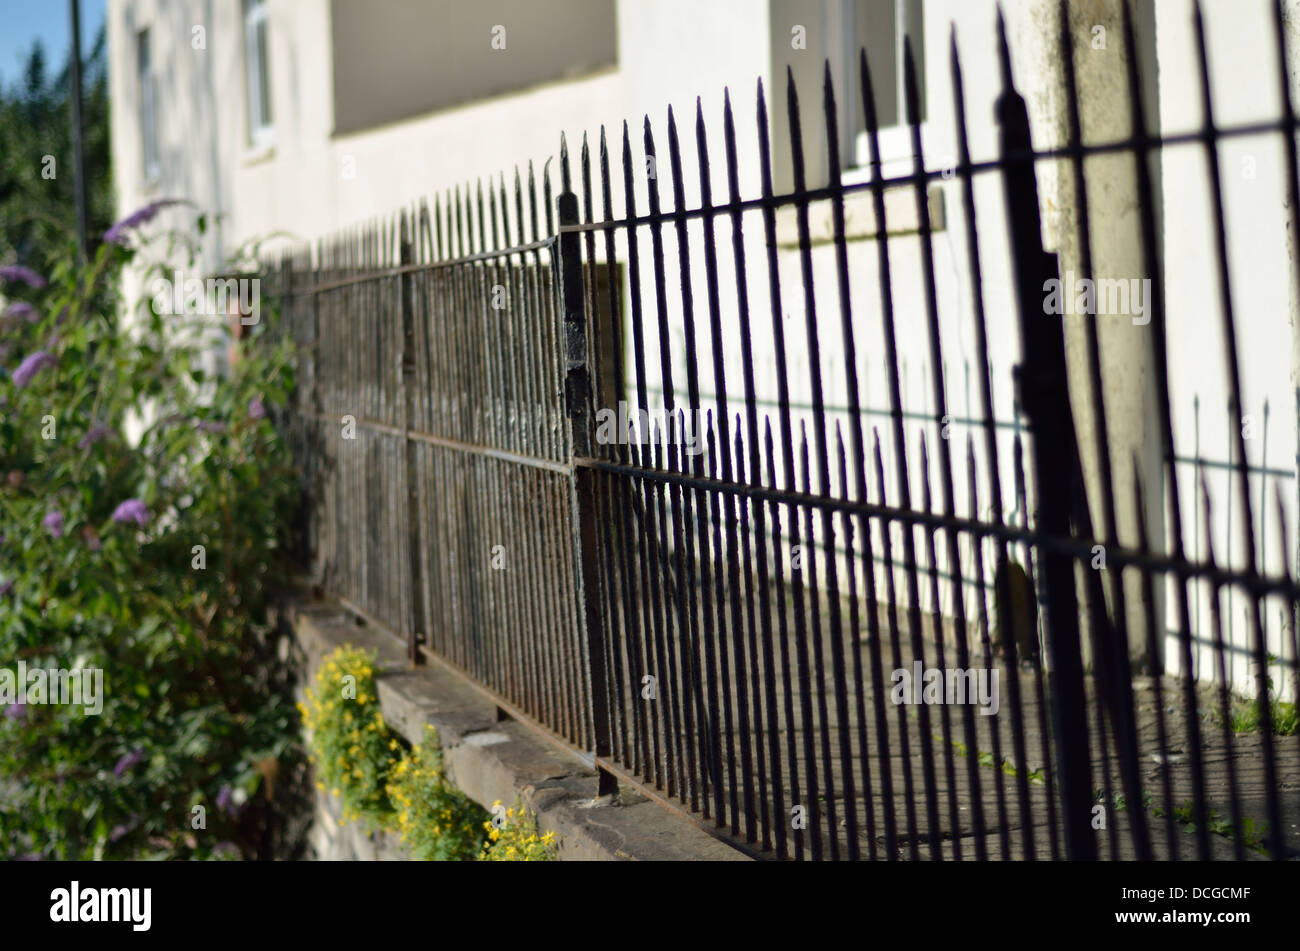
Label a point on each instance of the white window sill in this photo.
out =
(860, 222)
(257, 154)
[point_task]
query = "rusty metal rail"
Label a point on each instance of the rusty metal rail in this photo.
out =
(717, 620)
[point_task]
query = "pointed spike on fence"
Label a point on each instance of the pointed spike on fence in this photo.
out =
(792, 105)
(675, 161)
(868, 95)
(738, 443)
(911, 93)
(565, 180)
(831, 120)
(828, 96)
(548, 198)
(1198, 24)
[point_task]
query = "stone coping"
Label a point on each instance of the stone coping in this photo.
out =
(495, 758)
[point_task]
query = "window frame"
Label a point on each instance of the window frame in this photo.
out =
(258, 107)
(146, 77)
(895, 139)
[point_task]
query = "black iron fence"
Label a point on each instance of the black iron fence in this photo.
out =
(618, 467)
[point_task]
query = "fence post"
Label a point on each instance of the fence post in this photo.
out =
(410, 474)
(1044, 395)
(577, 395)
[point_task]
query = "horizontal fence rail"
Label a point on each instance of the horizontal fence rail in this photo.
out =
(646, 462)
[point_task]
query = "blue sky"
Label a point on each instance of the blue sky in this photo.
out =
(27, 20)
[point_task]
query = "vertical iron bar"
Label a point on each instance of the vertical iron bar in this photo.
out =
(900, 474)
(576, 391)
(756, 478)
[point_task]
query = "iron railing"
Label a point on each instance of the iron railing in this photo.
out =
(721, 607)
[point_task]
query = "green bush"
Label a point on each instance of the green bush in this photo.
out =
(148, 555)
(351, 748)
(436, 821)
(399, 790)
(513, 837)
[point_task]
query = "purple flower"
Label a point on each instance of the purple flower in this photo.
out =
(6, 588)
(118, 832)
(21, 310)
(33, 365)
(128, 761)
(224, 800)
(16, 711)
(256, 409)
(93, 435)
(138, 218)
(132, 510)
(53, 522)
(211, 426)
(17, 273)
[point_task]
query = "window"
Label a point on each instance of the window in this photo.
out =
(148, 106)
(807, 33)
(258, 77)
(881, 27)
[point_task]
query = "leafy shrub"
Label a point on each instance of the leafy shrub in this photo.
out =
(436, 820)
(405, 792)
(352, 750)
(513, 837)
(143, 506)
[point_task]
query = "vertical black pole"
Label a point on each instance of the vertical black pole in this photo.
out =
(78, 147)
(577, 389)
(1045, 397)
(409, 404)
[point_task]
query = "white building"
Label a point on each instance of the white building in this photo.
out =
(297, 118)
